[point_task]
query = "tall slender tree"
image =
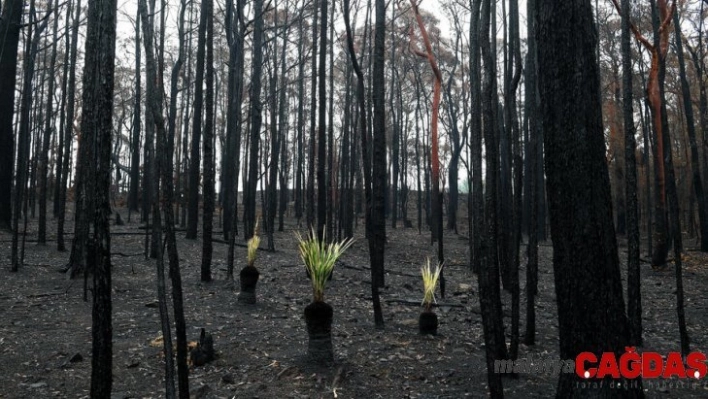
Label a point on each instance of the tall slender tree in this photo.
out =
(207, 247)
(48, 129)
(376, 250)
(165, 168)
(68, 130)
(194, 156)
(322, 126)
(249, 217)
(9, 40)
(133, 193)
(489, 292)
(634, 300)
(97, 128)
(379, 168)
(697, 181)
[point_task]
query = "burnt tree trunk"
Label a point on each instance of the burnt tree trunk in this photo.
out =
(10, 34)
(249, 218)
(97, 121)
(588, 284)
(194, 156)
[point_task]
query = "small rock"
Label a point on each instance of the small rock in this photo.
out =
(40, 384)
(228, 379)
(201, 392)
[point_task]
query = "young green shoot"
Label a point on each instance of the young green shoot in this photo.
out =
(430, 282)
(319, 258)
(253, 244)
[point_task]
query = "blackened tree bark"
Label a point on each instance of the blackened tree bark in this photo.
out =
(235, 35)
(489, 292)
(513, 77)
(58, 166)
(229, 182)
(672, 194)
(322, 131)
(207, 248)
(97, 121)
(476, 195)
(313, 123)
(164, 166)
(330, 177)
(194, 157)
(379, 167)
(701, 199)
(23, 145)
(10, 36)
(376, 251)
(634, 299)
(588, 285)
(249, 218)
(457, 144)
(174, 89)
(151, 98)
(533, 138)
(300, 118)
(133, 199)
(68, 129)
(48, 128)
(277, 100)
(395, 117)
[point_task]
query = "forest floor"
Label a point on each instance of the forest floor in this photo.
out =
(45, 325)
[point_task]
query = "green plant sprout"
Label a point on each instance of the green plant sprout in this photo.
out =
(319, 258)
(430, 282)
(253, 244)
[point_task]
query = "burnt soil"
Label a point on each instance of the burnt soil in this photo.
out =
(45, 325)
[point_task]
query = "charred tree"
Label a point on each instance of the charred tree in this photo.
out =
(69, 128)
(10, 36)
(587, 277)
(48, 129)
(194, 156)
(376, 251)
(97, 123)
(133, 193)
(208, 227)
(701, 199)
(249, 217)
(165, 168)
